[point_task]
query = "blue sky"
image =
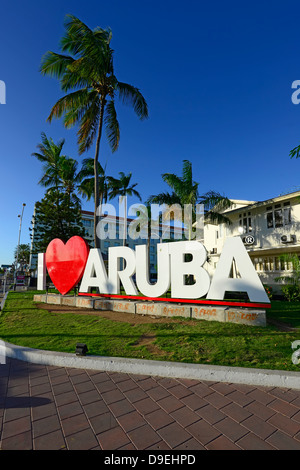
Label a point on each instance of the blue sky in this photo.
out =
(217, 77)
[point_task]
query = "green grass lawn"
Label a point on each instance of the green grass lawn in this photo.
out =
(181, 340)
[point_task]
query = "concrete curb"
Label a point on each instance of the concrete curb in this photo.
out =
(238, 375)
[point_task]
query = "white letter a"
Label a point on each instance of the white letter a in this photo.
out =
(249, 282)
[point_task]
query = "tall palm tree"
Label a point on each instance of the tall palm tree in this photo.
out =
(185, 191)
(87, 187)
(86, 67)
(122, 187)
(50, 155)
(70, 178)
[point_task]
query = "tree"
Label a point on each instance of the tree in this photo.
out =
(87, 186)
(59, 176)
(185, 191)
(86, 67)
(22, 253)
(121, 187)
(50, 155)
(51, 221)
(291, 290)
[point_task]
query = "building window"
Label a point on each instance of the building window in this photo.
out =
(245, 222)
(86, 222)
(279, 215)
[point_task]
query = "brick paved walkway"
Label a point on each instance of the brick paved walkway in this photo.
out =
(43, 407)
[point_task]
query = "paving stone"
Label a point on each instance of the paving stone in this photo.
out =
(144, 437)
(222, 443)
(260, 410)
(284, 407)
(179, 391)
(231, 429)
(135, 395)
(252, 442)
(146, 406)
(185, 416)
(236, 412)
(217, 400)
(240, 398)
(50, 441)
(103, 422)
(75, 424)
(203, 432)
(22, 441)
(170, 404)
(191, 444)
(54, 408)
(157, 393)
(159, 418)
(261, 396)
(194, 402)
(259, 427)
(131, 421)
(121, 407)
(46, 425)
(210, 414)
(283, 423)
(282, 441)
(174, 434)
(127, 385)
(16, 427)
(70, 409)
(95, 408)
(161, 445)
(113, 439)
(82, 440)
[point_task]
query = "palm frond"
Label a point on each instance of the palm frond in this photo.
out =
(132, 96)
(76, 100)
(295, 152)
(215, 200)
(164, 198)
(112, 126)
(55, 65)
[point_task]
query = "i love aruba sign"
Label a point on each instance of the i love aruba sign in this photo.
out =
(74, 262)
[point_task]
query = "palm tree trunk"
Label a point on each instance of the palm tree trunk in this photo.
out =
(96, 182)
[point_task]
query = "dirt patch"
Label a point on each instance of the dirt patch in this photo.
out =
(133, 319)
(147, 340)
(281, 326)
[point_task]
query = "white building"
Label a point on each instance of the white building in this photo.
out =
(268, 229)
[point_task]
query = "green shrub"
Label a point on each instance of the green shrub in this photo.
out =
(291, 292)
(269, 291)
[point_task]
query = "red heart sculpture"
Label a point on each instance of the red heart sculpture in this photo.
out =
(66, 262)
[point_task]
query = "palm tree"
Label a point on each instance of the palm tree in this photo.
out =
(86, 67)
(87, 187)
(50, 155)
(121, 187)
(69, 178)
(185, 191)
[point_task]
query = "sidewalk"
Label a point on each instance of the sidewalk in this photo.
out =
(49, 407)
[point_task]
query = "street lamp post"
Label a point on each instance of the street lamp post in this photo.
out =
(18, 247)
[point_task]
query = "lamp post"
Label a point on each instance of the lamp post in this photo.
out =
(18, 247)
